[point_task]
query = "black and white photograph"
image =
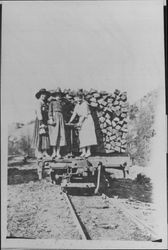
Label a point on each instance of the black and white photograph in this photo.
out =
(83, 131)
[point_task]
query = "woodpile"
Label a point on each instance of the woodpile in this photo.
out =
(109, 111)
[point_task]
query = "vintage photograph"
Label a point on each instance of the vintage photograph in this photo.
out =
(84, 124)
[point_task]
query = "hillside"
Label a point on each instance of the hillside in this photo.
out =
(19, 138)
(141, 128)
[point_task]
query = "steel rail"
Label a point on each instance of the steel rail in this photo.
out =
(132, 216)
(81, 229)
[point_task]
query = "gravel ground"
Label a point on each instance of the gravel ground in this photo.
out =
(107, 222)
(38, 210)
(144, 211)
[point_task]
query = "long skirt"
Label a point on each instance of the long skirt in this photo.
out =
(39, 142)
(57, 132)
(87, 135)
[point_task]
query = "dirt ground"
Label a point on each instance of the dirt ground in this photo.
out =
(107, 222)
(37, 209)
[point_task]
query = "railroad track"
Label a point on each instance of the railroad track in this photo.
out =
(82, 228)
(78, 222)
(140, 223)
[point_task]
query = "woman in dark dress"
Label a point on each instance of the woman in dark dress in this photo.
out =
(56, 123)
(40, 136)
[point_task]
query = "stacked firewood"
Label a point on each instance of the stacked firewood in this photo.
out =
(109, 111)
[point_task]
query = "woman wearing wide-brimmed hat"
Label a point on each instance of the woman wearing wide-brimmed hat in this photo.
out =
(41, 136)
(87, 135)
(56, 123)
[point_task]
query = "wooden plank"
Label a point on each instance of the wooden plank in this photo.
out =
(102, 119)
(107, 139)
(104, 103)
(108, 122)
(123, 141)
(107, 116)
(117, 108)
(118, 144)
(118, 113)
(116, 103)
(92, 91)
(116, 119)
(110, 129)
(108, 146)
(123, 115)
(93, 99)
(124, 104)
(104, 139)
(94, 104)
(124, 135)
(113, 123)
(121, 122)
(124, 130)
(117, 148)
(124, 109)
(109, 133)
(99, 114)
(96, 95)
(105, 125)
(100, 101)
(104, 131)
(117, 92)
(109, 109)
(109, 100)
(102, 126)
(118, 127)
(112, 143)
(125, 120)
(113, 137)
(108, 151)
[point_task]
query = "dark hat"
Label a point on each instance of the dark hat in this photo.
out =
(80, 93)
(92, 91)
(40, 92)
(56, 91)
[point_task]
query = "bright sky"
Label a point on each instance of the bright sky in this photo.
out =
(79, 44)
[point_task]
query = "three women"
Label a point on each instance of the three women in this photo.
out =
(49, 112)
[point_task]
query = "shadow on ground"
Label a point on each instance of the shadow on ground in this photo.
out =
(139, 189)
(80, 191)
(18, 163)
(17, 176)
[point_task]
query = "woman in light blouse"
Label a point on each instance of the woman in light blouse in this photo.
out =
(87, 135)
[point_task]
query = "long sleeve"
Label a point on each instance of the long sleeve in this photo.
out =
(38, 111)
(74, 114)
(50, 111)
